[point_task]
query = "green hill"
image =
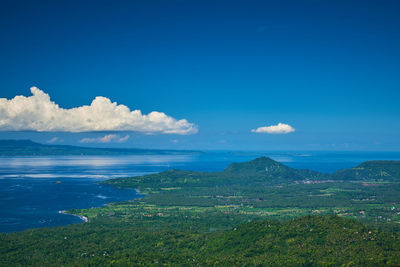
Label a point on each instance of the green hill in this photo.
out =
(260, 171)
(372, 170)
(269, 169)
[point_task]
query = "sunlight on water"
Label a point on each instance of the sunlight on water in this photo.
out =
(93, 161)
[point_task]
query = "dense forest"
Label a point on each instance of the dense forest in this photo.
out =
(306, 241)
(255, 213)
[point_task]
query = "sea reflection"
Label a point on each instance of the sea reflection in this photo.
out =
(93, 160)
(95, 167)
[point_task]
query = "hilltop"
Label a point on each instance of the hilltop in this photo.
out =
(269, 169)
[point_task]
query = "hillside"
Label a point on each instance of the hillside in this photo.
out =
(307, 241)
(383, 170)
(30, 148)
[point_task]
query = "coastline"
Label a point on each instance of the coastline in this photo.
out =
(83, 218)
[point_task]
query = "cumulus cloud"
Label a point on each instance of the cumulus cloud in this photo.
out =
(280, 128)
(105, 139)
(39, 113)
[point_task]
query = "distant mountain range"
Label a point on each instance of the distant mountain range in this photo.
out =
(30, 148)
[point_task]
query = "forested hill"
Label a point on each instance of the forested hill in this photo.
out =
(375, 170)
(269, 169)
(260, 171)
(266, 167)
(30, 148)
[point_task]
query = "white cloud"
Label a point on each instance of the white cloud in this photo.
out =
(55, 139)
(280, 128)
(39, 113)
(106, 139)
(123, 139)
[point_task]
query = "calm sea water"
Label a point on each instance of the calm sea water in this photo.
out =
(34, 189)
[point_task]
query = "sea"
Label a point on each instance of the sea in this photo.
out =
(34, 189)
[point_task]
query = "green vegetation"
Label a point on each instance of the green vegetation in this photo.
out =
(29, 148)
(383, 170)
(254, 213)
(264, 187)
(315, 240)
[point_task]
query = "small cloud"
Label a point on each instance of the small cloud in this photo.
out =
(55, 139)
(123, 139)
(106, 139)
(175, 141)
(38, 113)
(280, 128)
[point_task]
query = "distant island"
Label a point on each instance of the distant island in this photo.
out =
(257, 213)
(30, 148)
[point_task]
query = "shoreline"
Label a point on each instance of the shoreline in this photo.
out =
(83, 218)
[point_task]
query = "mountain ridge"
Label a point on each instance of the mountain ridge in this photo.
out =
(11, 147)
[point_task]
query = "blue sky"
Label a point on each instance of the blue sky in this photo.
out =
(329, 69)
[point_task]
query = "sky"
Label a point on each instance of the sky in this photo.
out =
(204, 75)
